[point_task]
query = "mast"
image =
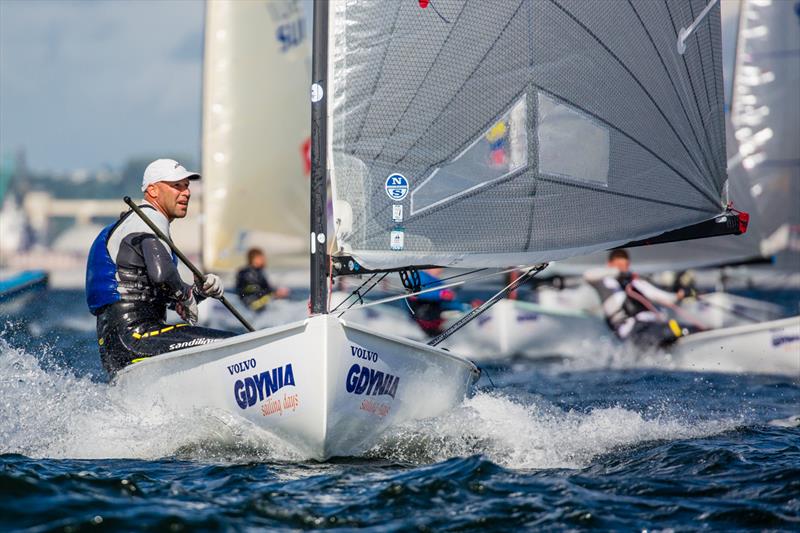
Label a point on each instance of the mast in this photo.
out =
(319, 164)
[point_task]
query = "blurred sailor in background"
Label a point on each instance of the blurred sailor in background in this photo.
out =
(252, 284)
(630, 303)
(428, 307)
(132, 277)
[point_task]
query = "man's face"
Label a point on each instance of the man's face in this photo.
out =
(259, 261)
(171, 197)
(621, 264)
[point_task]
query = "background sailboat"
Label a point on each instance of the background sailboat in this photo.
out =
(255, 132)
(766, 124)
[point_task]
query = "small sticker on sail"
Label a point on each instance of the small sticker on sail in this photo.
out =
(397, 213)
(396, 187)
(397, 239)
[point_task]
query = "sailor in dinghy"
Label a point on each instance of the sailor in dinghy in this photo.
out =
(132, 278)
(630, 303)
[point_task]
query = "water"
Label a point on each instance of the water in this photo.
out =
(549, 446)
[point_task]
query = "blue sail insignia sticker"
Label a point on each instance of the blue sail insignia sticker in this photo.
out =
(396, 187)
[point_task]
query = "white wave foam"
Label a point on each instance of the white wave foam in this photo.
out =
(58, 415)
(55, 414)
(535, 434)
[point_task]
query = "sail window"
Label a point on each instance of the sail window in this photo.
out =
(500, 151)
(571, 145)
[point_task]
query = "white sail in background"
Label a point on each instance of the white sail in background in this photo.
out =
(480, 134)
(255, 131)
(765, 114)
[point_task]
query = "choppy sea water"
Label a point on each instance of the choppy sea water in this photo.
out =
(540, 446)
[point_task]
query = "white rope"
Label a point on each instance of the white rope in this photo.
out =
(686, 32)
(436, 288)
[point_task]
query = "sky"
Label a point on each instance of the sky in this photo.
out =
(90, 83)
(87, 84)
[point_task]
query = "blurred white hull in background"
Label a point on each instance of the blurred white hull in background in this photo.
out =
(764, 348)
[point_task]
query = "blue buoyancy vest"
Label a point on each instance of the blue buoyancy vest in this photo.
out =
(107, 282)
(101, 272)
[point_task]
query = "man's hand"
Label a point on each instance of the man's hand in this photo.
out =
(210, 286)
(187, 309)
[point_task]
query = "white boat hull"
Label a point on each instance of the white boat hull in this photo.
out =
(323, 386)
(722, 310)
(513, 327)
(766, 348)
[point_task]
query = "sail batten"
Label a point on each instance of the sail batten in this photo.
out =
(490, 134)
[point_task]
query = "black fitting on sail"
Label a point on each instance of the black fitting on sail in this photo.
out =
(410, 279)
(731, 222)
(345, 265)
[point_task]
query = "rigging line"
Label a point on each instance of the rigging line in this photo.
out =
(688, 74)
(671, 81)
(635, 79)
(379, 75)
(457, 276)
(423, 82)
(353, 293)
(437, 288)
(474, 313)
(361, 296)
(444, 279)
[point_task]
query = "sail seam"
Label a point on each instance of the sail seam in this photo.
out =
(638, 82)
(466, 143)
(688, 75)
(377, 80)
(450, 202)
(705, 85)
(466, 79)
(719, 139)
(671, 81)
(422, 83)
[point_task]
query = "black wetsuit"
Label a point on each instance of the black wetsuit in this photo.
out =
(253, 288)
(131, 306)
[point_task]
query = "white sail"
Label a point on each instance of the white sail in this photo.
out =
(766, 118)
(493, 133)
(255, 131)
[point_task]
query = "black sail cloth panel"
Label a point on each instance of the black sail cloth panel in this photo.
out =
(525, 130)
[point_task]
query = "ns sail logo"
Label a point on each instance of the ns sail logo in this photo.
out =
(396, 187)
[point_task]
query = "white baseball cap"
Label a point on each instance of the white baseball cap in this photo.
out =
(166, 170)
